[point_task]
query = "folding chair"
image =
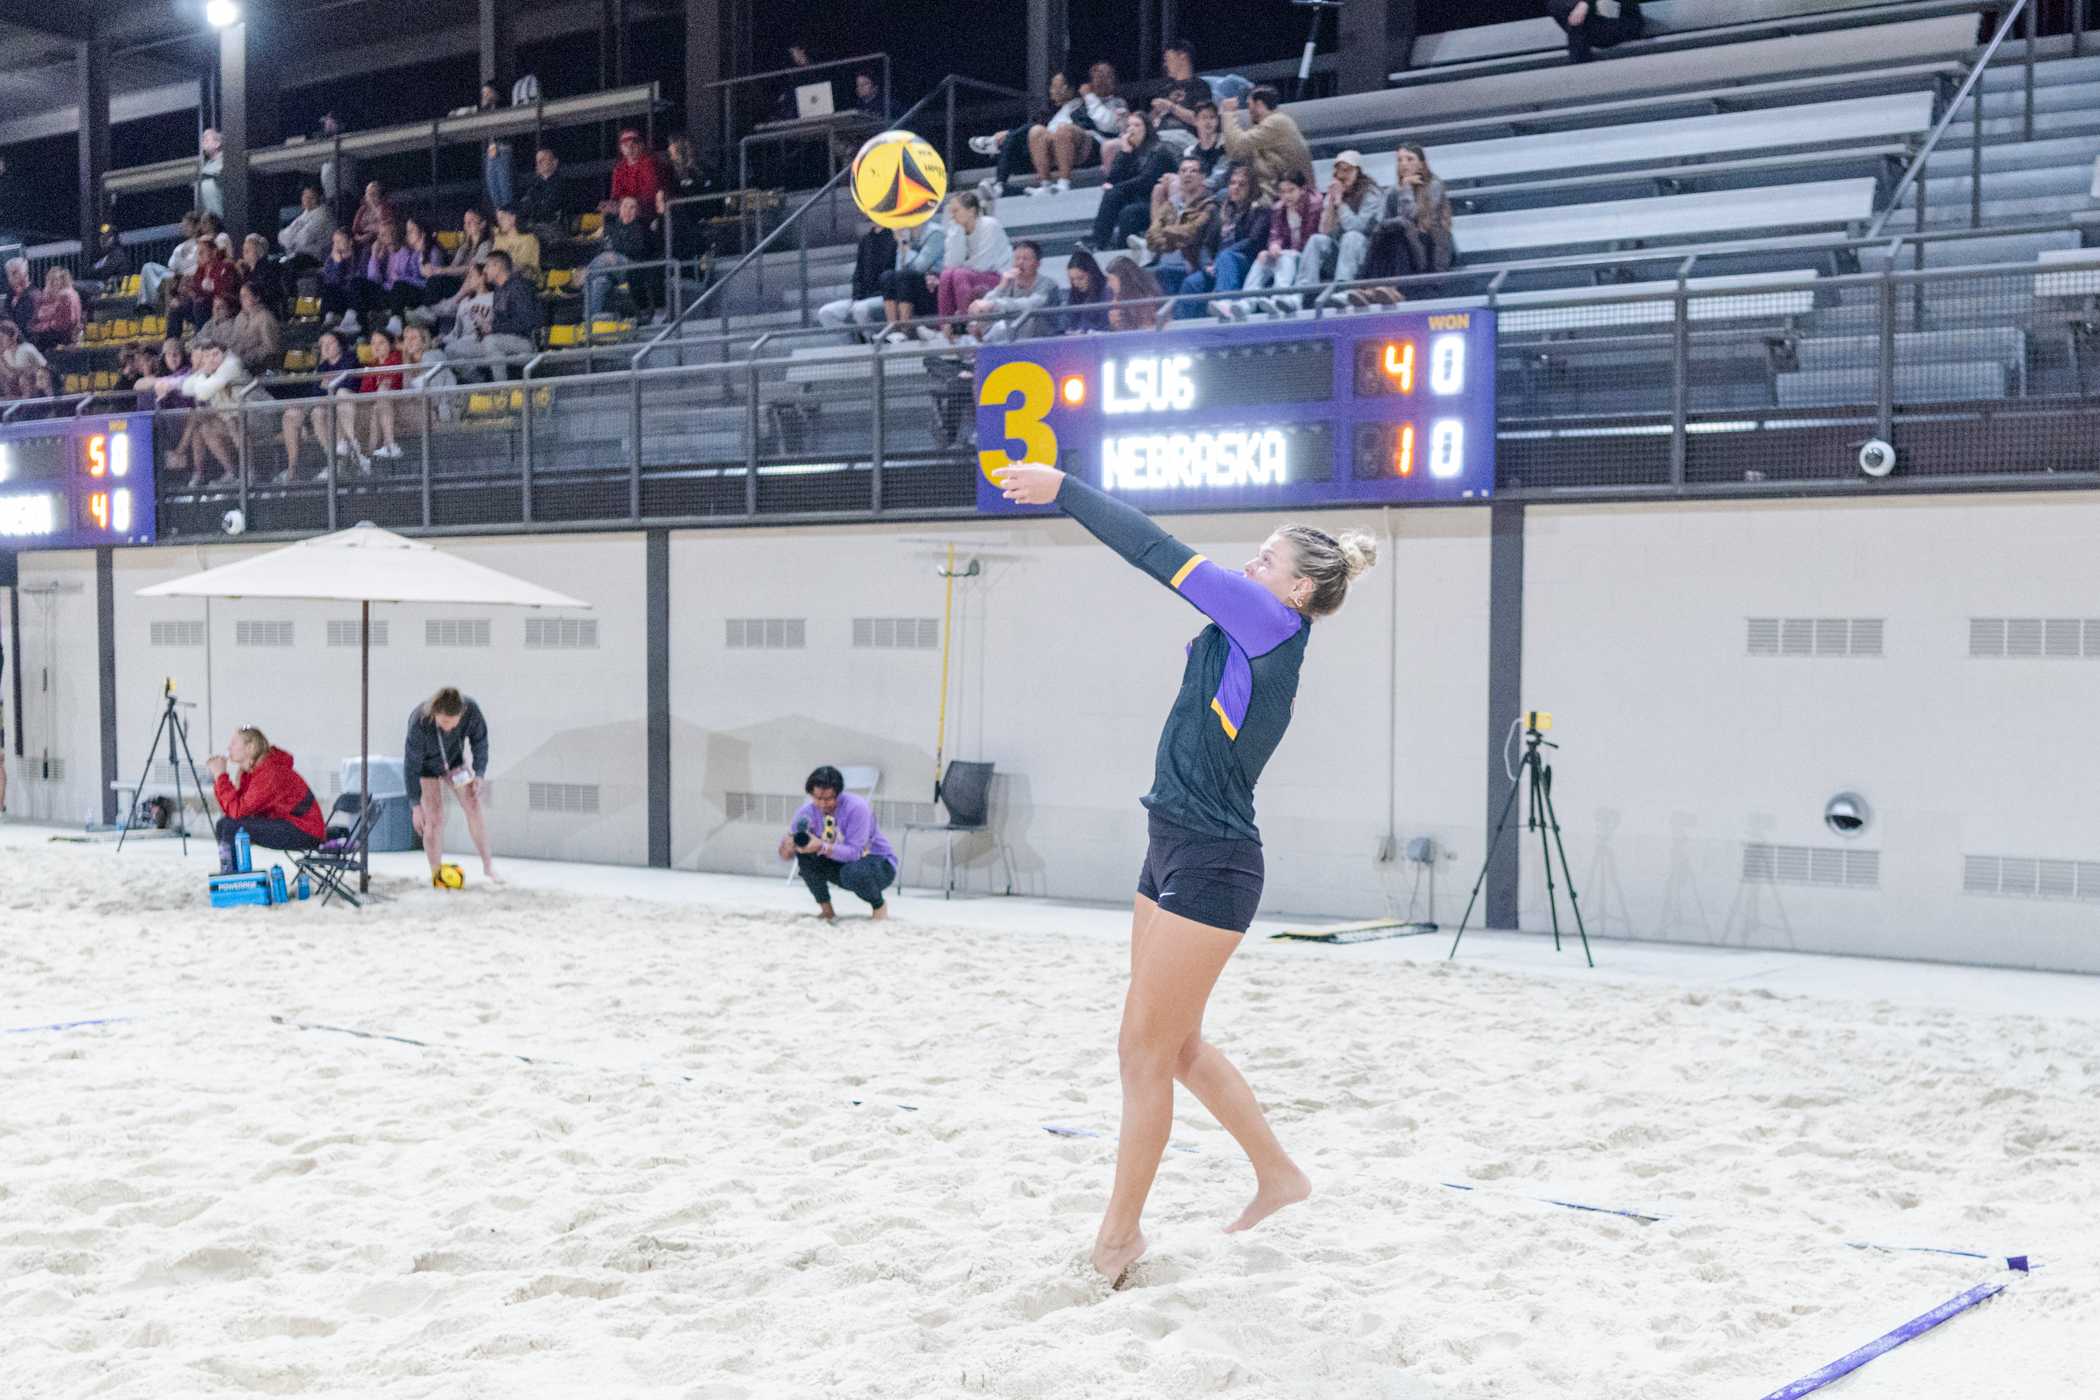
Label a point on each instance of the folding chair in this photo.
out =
(333, 865)
(966, 791)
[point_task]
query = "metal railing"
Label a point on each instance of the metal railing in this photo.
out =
(1984, 376)
(1970, 94)
(798, 220)
(732, 89)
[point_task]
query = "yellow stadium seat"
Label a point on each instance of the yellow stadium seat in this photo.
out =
(450, 239)
(364, 352)
(481, 403)
(156, 326)
(589, 224)
(107, 379)
(125, 330)
(129, 286)
(601, 327)
(562, 335)
(560, 277)
(92, 332)
(306, 308)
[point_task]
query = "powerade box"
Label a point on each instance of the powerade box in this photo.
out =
(246, 887)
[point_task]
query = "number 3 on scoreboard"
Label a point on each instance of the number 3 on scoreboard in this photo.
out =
(1023, 422)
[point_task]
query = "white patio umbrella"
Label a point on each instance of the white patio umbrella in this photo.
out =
(364, 565)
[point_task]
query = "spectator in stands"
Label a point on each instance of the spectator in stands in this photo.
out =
(22, 295)
(627, 242)
(1272, 144)
(311, 409)
(24, 373)
(977, 256)
(429, 369)
(443, 272)
(375, 213)
(392, 280)
(269, 279)
(874, 255)
(1086, 296)
(382, 378)
(112, 263)
(1142, 160)
(636, 173)
(1348, 214)
(217, 276)
(867, 95)
(414, 292)
(210, 225)
(521, 245)
(1021, 291)
(257, 336)
(1129, 283)
(541, 205)
(137, 364)
(338, 279)
(834, 841)
(1176, 97)
(497, 173)
(908, 293)
(1238, 235)
(1097, 122)
(1210, 144)
(338, 173)
(1588, 28)
(219, 328)
(1293, 221)
(211, 164)
(1183, 218)
(464, 316)
(784, 104)
(305, 239)
(214, 387)
(1413, 233)
(59, 316)
(687, 212)
(1028, 143)
(181, 263)
(514, 317)
(174, 360)
(262, 794)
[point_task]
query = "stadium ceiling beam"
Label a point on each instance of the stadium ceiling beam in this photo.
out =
(71, 22)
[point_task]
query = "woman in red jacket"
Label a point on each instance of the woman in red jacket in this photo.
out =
(260, 793)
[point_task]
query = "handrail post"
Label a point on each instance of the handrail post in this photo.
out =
(751, 438)
(1885, 382)
(1976, 157)
(526, 444)
(802, 266)
(1680, 376)
(948, 151)
(875, 452)
(427, 498)
(634, 455)
(2027, 131)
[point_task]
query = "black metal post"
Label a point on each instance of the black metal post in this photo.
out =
(1680, 384)
(2027, 130)
(1976, 157)
(657, 593)
(525, 447)
(751, 439)
(1885, 384)
(877, 449)
(106, 667)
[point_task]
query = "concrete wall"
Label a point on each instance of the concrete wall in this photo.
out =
(1681, 746)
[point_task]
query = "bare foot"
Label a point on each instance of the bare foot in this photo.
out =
(1112, 1261)
(488, 870)
(879, 912)
(1270, 1197)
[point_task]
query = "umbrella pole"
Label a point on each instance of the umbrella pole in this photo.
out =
(364, 742)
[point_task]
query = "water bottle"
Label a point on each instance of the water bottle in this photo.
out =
(306, 886)
(242, 861)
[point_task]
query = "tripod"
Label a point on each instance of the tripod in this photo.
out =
(177, 735)
(1535, 772)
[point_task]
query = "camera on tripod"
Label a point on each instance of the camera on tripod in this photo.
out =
(1533, 776)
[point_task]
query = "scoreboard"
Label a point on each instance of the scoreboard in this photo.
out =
(76, 482)
(1351, 410)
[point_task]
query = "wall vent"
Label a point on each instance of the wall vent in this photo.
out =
(561, 633)
(177, 633)
(776, 809)
(50, 770)
(766, 633)
(2031, 877)
(1814, 636)
(343, 632)
(1829, 867)
(456, 632)
(898, 633)
(568, 799)
(262, 634)
(2034, 638)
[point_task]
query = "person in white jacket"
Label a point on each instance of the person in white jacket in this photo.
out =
(1079, 129)
(215, 389)
(305, 238)
(977, 256)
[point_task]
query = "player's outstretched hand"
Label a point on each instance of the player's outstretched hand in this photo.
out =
(1029, 484)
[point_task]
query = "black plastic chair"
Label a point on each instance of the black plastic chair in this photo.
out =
(333, 865)
(966, 791)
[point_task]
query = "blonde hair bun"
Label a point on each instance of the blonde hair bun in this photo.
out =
(1359, 551)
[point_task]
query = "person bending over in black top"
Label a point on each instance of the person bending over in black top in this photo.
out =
(1202, 876)
(441, 733)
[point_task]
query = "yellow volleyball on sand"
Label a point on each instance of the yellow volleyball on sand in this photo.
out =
(898, 180)
(449, 877)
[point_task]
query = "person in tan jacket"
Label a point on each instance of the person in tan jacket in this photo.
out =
(1182, 213)
(1272, 144)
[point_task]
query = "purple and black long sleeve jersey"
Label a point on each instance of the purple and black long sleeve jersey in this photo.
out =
(1237, 688)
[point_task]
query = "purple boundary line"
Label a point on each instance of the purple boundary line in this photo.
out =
(1888, 1341)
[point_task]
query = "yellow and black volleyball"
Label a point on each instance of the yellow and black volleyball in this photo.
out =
(898, 180)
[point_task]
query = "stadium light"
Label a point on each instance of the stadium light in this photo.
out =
(221, 13)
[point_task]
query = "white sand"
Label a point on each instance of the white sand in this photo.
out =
(683, 1201)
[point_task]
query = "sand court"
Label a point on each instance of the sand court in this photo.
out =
(653, 1147)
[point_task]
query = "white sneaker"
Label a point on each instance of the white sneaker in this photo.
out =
(1037, 191)
(985, 145)
(932, 336)
(393, 326)
(388, 450)
(348, 451)
(1140, 251)
(1062, 187)
(349, 324)
(988, 193)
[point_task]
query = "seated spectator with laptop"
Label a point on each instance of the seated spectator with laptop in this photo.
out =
(834, 840)
(262, 794)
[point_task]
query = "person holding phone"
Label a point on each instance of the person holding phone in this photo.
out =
(834, 840)
(448, 747)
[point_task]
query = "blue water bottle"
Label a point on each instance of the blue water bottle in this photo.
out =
(241, 859)
(278, 895)
(306, 886)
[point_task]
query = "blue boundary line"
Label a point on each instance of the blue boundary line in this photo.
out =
(68, 1025)
(1887, 1342)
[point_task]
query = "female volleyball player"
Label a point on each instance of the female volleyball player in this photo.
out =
(1202, 875)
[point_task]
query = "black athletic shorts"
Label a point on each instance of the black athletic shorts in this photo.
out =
(1210, 880)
